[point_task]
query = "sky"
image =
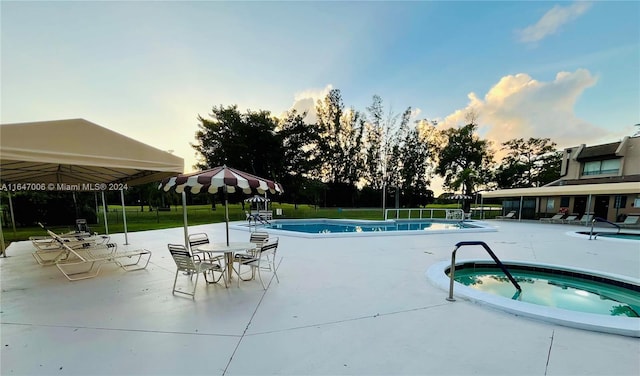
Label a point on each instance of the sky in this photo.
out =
(569, 71)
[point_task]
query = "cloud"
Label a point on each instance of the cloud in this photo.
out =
(519, 106)
(305, 101)
(552, 21)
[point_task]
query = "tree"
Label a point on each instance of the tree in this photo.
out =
(528, 163)
(376, 132)
(340, 140)
(300, 153)
(248, 141)
(464, 159)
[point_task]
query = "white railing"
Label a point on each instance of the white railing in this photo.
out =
(422, 213)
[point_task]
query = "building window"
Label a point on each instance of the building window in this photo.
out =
(550, 204)
(609, 166)
(564, 201)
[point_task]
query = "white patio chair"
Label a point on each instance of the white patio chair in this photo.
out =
(261, 259)
(259, 238)
(201, 238)
(185, 262)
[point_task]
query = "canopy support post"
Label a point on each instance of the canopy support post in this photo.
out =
(104, 212)
(13, 218)
(2, 247)
(124, 218)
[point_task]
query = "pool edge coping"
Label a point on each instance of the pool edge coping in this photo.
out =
(483, 227)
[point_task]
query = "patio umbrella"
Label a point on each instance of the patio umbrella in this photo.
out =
(226, 178)
(257, 199)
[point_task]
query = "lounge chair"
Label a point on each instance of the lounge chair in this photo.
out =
(632, 220)
(91, 260)
(54, 249)
(510, 215)
(557, 217)
(570, 219)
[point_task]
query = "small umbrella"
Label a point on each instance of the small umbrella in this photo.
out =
(222, 177)
(459, 197)
(257, 199)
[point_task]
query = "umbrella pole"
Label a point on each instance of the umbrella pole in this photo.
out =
(226, 213)
(184, 219)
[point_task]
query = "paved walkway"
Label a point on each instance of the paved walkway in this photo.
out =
(357, 306)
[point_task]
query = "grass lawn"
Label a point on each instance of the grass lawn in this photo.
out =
(201, 214)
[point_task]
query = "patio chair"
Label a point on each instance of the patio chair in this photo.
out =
(191, 264)
(261, 259)
(259, 238)
(510, 215)
(201, 238)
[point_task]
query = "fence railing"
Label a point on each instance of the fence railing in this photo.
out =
(422, 213)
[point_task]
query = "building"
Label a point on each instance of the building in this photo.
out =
(601, 180)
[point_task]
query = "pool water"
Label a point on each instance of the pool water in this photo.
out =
(555, 290)
(620, 235)
(352, 226)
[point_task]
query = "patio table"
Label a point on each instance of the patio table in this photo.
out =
(228, 250)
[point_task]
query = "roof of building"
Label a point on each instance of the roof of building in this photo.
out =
(598, 151)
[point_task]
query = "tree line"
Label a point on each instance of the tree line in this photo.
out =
(346, 158)
(354, 158)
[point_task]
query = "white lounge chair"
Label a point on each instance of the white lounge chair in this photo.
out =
(55, 250)
(632, 220)
(510, 215)
(88, 262)
(557, 217)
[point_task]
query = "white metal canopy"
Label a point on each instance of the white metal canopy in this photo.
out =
(80, 153)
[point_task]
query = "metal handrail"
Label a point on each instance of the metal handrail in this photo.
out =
(257, 218)
(598, 219)
(493, 256)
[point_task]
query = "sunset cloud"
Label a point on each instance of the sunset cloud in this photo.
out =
(518, 106)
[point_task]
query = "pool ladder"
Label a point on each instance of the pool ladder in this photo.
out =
(598, 219)
(493, 256)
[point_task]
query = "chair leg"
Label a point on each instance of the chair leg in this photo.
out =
(273, 268)
(174, 282)
(195, 285)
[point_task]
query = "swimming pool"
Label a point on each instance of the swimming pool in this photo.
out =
(351, 227)
(613, 235)
(572, 297)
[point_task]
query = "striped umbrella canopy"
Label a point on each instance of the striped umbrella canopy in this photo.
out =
(222, 177)
(459, 196)
(256, 198)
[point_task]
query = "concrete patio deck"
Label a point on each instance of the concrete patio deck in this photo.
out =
(359, 306)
